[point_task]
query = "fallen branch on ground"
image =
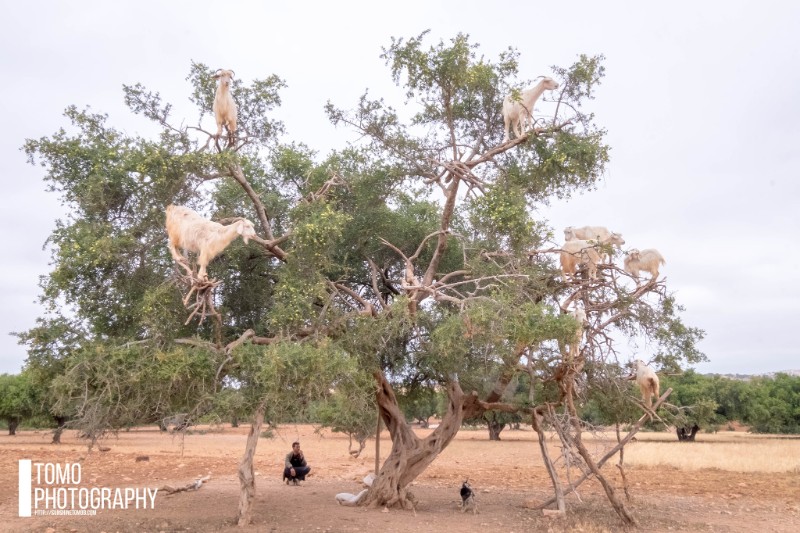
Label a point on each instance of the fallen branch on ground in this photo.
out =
(194, 485)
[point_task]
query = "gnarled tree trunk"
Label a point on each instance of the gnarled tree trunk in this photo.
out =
(61, 421)
(410, 455)
(495, 427)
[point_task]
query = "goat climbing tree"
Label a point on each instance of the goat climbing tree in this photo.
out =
(408, 258)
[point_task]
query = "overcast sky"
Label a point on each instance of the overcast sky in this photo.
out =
(699, 101)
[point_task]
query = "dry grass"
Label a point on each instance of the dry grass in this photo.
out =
(728, 451)
(732, 452)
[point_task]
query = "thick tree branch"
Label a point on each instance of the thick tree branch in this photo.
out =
(490, 154)
(238, 174)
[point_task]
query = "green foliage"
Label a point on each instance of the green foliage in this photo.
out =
(503, 212)
(768, 405)
(610, 400)
(692, 396)
(230, 404)
(582, 77)
(289, 378)
(106, 258)
(17, 398)
(109, 388)
(774, 405)
(489, 335)
(558, 165)
(351, 409)
(421, 402)
(361, 230)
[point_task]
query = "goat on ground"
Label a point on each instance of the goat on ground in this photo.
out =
(519, 112)
(647, 380)
(190, 232)
(579, 252)
(224, 106)
(350, 500)
(647, 260)
(599, 234)
(468, 498)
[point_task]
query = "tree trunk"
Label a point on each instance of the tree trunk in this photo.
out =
(247, 480)
(613, 451)
(410, 455)
(362, 443)
(687, 434)
(618, 506)
(536, 422)
(61, 421)
(13, 423)
(495, 428)
(378, 443)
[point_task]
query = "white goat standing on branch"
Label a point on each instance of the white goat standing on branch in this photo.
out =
(599, 234)
(576, 253)
(192, 233)
(648, 260)
(575, 342)
(519, 112)
(224, 106)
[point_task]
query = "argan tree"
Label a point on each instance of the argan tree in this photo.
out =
(412, 254)
(17, 400)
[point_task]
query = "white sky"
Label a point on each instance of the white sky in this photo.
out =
(699, 100)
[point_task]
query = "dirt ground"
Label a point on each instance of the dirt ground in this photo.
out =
(508, 476)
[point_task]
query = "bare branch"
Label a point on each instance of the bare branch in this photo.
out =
(367, 307)
(374, 273)
(248, 334)
(322, 192)
(199, 343)
(272, 245)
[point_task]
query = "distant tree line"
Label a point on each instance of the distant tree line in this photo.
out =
(712, 402)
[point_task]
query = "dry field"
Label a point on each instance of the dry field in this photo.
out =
(730, 481)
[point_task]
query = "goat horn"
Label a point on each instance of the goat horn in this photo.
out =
(230, 220)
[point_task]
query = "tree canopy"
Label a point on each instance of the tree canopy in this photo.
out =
(410, 256)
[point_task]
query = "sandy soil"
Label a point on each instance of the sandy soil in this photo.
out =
(507, 475)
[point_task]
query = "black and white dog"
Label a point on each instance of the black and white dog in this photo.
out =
(468, 498)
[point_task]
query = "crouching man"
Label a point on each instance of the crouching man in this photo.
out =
(295, 467)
